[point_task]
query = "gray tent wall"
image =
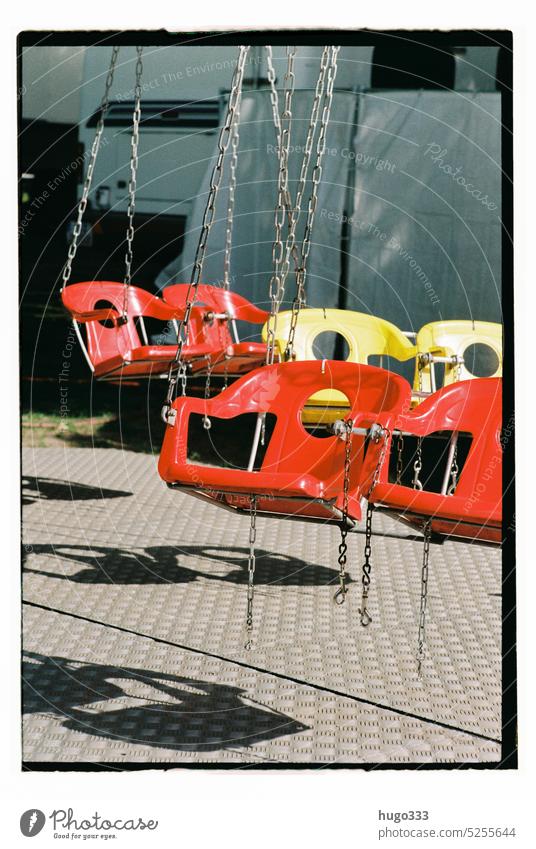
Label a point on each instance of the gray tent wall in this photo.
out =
(411, 183)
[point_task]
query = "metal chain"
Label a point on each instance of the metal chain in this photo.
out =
(207, 424)
(340, 595)
(274, 99)
(420, 368)
(366, 618)
(427, 531)
(105, 102)
(417, 466)
(399, 459)
(384, 434)
(282, 208)
(134, 142)
(208, 219)
(454, 471)
(251, 570)
(235, 140)
(329, 68)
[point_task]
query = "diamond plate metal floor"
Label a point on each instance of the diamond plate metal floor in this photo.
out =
(105, 540)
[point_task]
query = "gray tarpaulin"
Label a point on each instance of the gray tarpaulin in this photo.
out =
(411, 194)
(256, 196)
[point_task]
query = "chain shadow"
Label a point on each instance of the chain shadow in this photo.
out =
(162, 710)
(168, 565)
(37, 488)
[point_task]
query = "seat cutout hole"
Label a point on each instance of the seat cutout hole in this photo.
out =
(330, 345)
(106, 305)
(227, 443)
(481, 360)
(320, 412)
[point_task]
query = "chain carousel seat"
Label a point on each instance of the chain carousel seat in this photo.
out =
(113, 346)
(474, 510)
(215, 311)
(301, 475)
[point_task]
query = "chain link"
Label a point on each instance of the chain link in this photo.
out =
(340, 595)
(366, 618)
(105, 102)
(134, 142)
(235, 140)
(427, 531)
(399, 458)
(324, 89)
(208, 219)
(283, 206)
(454, 471)
(251, 571)
(207, 424)
(417, 466)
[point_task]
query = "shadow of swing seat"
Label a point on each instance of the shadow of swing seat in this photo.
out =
(214, 310)
(365, 336)
(474, 510)
(301, 475)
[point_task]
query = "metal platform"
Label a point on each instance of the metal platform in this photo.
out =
(134, 632)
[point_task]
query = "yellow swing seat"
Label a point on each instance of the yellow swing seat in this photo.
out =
(467, 349)
(365, 335)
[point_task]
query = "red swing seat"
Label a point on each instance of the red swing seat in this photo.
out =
(474, 511)
(301, 475)
(114, 349)
(224, 354)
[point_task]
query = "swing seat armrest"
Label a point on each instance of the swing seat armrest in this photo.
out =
(106, 314)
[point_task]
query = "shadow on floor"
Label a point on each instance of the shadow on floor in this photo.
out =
(160, 709)
(35, 489)
(173, 565)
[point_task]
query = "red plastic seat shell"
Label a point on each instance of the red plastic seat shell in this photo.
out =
(475, 509)
(224, 355)
(117, 350)
(297, 466)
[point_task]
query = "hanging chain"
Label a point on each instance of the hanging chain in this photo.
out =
(134, 142)
(340, 595)
(420, 369)
(399, 458)
(454, 472)
(417, 466)
(366, 618)
(207, 424)
(182, 377)
(427, 531)
(235, 140)
(105, 102)
(328, 67)
(251, 570)
(208, 219)
(274, 99)
(276, 289)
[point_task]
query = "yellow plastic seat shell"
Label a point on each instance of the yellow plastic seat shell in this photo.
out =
(453, 338)
(366, 335)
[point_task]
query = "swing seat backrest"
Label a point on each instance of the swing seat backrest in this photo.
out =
(366, 335)
(214, 333)
(472, 407)
(296, 463)
(478, 342)
(98, 305)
